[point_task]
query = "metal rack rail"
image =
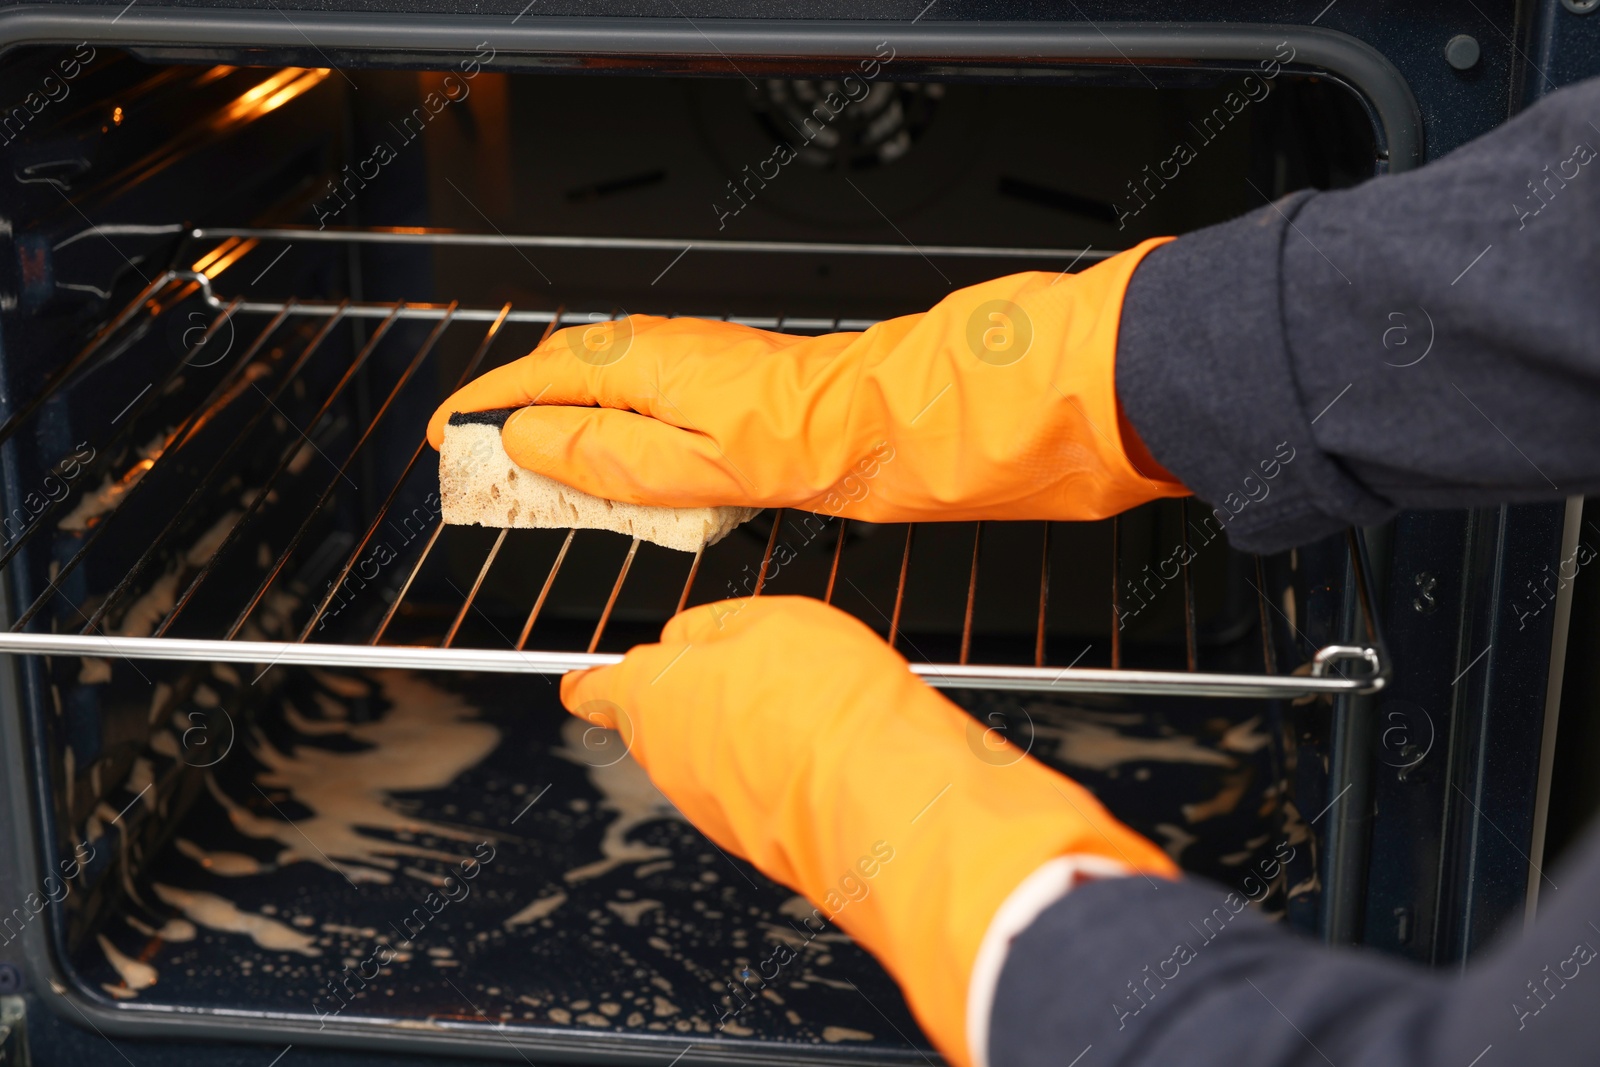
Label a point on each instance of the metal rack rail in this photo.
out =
(1358, 665)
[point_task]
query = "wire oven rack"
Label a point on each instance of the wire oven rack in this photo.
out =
(1357, 665)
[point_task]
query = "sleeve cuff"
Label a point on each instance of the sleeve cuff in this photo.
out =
(1052, 881)
(1205, 375)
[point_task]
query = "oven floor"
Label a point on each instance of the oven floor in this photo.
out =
(318, 871)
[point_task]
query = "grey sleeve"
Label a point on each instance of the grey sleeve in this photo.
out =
(1129, 973)
(1427, 339)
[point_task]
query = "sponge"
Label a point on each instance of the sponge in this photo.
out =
(479, 485)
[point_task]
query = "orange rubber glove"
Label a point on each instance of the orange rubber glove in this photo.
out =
(1000, 403)
(854, 775)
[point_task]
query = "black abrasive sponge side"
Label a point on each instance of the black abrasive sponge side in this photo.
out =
(496, 417)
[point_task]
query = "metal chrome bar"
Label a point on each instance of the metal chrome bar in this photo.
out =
(507, 661)
(388, 501)
(972, 595)
(388, 616)
(472, 594)
(900, 584)
(1363, 569)
(152, 393)
(1191, 649)
(433, 236)
(333, 483)
(1374, 653)
(766, 556)
(833, 568)
(544, 590)
(688, 583)
(264, 490)
(1268, 657)
(179, 438)
(611, 601)
(429, 312)
(1116, 592)
(1044, 598)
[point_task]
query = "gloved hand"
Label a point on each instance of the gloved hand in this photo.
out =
(1000, 403)
(791, 735)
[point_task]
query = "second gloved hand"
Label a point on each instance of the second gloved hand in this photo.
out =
(999, 403)
(791, 735)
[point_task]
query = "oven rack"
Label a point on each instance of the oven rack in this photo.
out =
(1356, 665)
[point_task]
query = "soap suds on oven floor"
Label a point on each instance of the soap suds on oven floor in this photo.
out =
(424, 741)
(320, 869)
(218, 913)
(625, 791)
(537, 910)
(135, 974)
(592, 905)
(227, 864)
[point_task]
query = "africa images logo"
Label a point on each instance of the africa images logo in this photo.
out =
(999, 332)
(601, 343)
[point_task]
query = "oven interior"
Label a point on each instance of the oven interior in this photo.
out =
(236, 295)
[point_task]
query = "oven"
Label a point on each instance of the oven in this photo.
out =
(284, 764)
